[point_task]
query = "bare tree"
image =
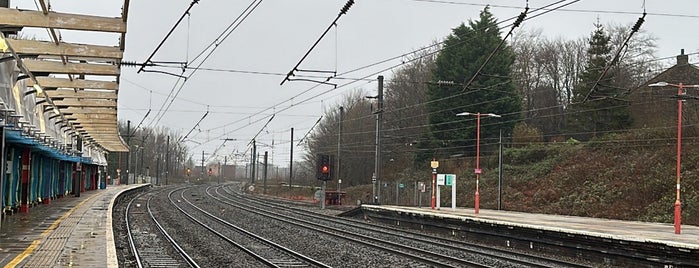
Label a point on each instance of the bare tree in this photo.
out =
(358, 129)
(406, 117)
(637, 58)
(545, 67)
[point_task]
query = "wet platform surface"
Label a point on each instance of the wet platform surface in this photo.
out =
(68, 232)
(615, 229)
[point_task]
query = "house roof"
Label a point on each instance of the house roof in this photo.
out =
(656, 107)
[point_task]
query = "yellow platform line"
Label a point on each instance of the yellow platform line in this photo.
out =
(30, 249)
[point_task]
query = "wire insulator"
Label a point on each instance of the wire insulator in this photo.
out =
(129, 63)
(521, 18)
(346, 7)
(638, 24)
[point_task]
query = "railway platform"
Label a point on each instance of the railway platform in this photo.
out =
(652, 240)
(662, 233)
(71, 231)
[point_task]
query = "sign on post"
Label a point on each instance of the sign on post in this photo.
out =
(450, 178)
(440, 179)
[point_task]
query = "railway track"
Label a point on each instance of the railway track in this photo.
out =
(517, 258)
(148, 249)
(265, 251)
(513, 257)
(427, 253)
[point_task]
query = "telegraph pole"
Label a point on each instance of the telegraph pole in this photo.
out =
(140, 170)
(128, 155)
(291, 157)
(252, 170)
(225, 163)
(377, 159)
(157, 168)
(203, 172)
(337, 166)
(167, 159)
(264, 177)
(500, 172)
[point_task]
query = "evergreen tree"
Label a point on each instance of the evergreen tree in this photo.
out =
(603, 111)
(492, 92)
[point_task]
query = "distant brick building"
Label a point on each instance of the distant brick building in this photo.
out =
(656, 107)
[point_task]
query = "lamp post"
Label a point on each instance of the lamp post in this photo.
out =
(680, 94)
(434, 164)
(478, 153)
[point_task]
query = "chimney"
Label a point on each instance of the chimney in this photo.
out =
(682, 59)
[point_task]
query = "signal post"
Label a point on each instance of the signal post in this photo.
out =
(434, 164)
(324, 173)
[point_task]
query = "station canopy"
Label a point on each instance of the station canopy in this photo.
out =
(80, 81)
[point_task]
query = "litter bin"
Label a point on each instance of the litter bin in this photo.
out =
(103, 185)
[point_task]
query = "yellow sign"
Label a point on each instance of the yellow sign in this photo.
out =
(3, 45)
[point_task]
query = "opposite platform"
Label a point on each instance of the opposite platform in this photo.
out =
(662, 233)
(71, 231)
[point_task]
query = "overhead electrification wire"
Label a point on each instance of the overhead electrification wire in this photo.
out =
(215, 153)
(392, 67)
(145, 116)
(263, 127)
(195, 126)
(162, 110)
(309, 131)
(258, 133)
(257, 72)
(364, 78)
(194, 2)
(343, 11)
(617, 55)
(516, 24)
(346, 84)
(522, 16)
(139, 123)
(225, 34)
(561, 9)
(373, 74)
(524, 112)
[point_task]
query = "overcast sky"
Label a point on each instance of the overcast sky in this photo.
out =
(278, 33)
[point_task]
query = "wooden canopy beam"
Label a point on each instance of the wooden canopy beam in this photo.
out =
(30, 18)
(76, 83)
(98, 124)
(77, 110)
(86, 103)
(81, 94)
(64, 49)
(99, 134)
(56, 67)
(92, 116)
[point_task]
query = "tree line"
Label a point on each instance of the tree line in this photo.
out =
(150, 153)
(545, 90)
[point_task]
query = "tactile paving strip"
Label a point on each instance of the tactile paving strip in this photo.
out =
(51, 246)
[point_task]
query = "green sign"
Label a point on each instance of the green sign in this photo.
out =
(450, 179)
(401, 186)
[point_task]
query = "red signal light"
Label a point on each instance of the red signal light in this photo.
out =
(325, 169)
